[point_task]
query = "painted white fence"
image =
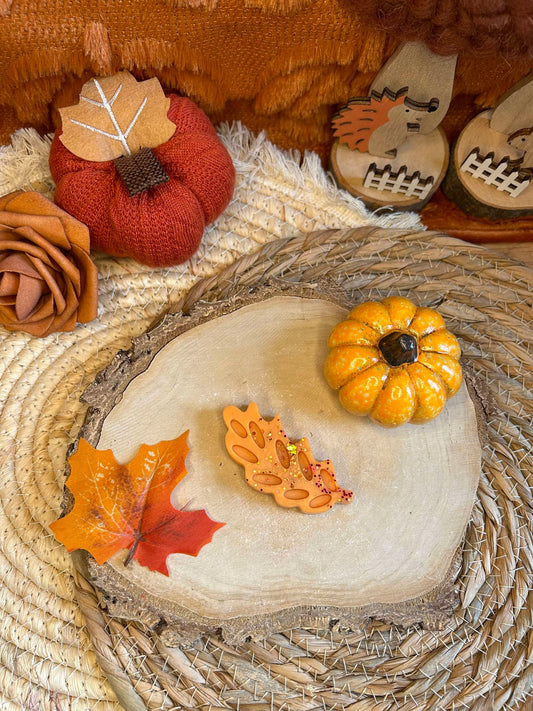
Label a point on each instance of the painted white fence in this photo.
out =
(503, 178)
(400, 182)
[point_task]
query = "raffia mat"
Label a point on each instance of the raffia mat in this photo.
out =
(52, 656)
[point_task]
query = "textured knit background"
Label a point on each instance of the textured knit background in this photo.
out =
(279, 65)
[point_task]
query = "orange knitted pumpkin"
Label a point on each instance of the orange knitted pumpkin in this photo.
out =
(393, 361)
(163, 224)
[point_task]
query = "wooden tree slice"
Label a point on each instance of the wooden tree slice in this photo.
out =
(390, 553)
(421, 158)
(482, 179)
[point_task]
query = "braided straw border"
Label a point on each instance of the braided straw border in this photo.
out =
(481, 659)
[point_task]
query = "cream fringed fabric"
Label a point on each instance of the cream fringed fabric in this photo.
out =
(278, 193)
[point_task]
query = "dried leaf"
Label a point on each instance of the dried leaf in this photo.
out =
(128, 506)
(274, 465)
(116, 116)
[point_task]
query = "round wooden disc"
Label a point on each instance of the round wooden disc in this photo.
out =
(268, 566)
(426, 153)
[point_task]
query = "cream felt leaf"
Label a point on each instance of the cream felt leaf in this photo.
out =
(275, 465)
(128, 506)
(116, 116)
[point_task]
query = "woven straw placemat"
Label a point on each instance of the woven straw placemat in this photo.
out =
(55, 657)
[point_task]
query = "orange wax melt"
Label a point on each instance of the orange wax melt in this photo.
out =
(275, 465)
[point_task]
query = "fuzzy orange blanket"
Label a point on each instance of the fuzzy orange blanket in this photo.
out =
(283, 66)
(279, 65)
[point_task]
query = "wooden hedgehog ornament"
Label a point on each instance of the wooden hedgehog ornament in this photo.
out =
(491, 171)
(389, 149)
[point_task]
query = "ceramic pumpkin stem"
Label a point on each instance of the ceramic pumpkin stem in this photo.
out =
(398, 348)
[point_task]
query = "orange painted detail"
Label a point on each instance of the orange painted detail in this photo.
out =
(352, 333)
(358, 120)
(360, 393)
(391, 394)
(430, 391)
(401, 311)
(128, 506)
(396, 403)
(426, 321)
(374, 314)
(344, 361)
(275, 465)
(446, 367)
(441, 341)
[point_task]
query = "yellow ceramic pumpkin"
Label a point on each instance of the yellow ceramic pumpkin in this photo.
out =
(394, 361)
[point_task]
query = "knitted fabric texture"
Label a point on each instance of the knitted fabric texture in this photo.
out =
(162, 225)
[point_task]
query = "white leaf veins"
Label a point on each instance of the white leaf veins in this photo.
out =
(120, 135)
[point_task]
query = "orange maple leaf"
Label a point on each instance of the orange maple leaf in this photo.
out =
(128, 506)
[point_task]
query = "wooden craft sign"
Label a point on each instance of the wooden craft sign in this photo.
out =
(271, 567)
(389, 148)
(491, 174)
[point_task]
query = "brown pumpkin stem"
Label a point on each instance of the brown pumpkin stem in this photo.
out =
(399, 348)
(140, 171)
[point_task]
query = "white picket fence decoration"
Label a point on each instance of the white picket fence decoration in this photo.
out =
(504, 178)
(400, 182)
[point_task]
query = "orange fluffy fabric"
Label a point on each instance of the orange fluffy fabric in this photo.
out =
(279, 65)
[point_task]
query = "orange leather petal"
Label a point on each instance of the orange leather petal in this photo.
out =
(47, 279)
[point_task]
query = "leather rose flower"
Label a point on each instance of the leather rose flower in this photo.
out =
(47, 278)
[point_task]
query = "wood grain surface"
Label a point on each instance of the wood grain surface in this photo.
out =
(381, 551)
